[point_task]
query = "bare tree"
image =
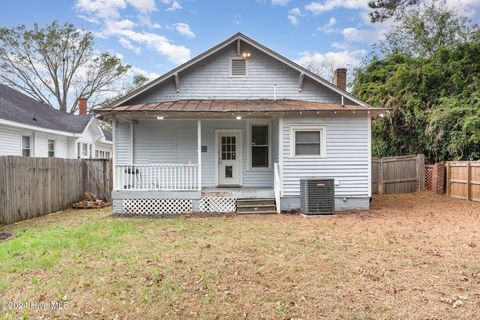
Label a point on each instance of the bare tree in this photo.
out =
(57, 65)
(325, 69)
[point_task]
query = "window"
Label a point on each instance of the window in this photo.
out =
(308, 142)
(26, 148)
(239, 67)
(84, 150)
(259, 146)
(97, 154)
(79, 151)
(107, 154)
(51, 148)
(90, 151)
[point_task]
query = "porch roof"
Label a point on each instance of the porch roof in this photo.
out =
(220, 106)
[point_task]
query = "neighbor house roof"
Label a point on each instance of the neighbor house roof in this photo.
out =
(219, 106)
(17, 107)
(204, 55)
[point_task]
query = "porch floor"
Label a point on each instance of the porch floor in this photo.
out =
(240, 192)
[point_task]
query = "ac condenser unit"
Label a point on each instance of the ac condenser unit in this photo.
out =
(317, 196)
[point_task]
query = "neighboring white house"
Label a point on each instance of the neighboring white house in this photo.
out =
(33, 129)
(239, 121)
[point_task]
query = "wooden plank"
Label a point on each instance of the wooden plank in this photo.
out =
(469, 186)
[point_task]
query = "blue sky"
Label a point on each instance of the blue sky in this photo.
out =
(157, 35)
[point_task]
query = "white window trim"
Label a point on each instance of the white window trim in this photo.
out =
(257, 122)
(54, 148)
(231, 67)
(323, 142)
(30, 148)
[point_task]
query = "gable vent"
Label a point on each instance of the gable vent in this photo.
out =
(239, 67)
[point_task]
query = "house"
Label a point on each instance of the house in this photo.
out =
(237, 127)
(33, 129)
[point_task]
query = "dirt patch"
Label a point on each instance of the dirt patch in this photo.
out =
(412, 256)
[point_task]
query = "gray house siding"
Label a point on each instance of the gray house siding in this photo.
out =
(211, 79)
(346, 160)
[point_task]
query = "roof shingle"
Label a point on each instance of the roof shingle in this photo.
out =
(17, 107)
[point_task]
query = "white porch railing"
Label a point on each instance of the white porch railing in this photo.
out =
(168, 177)
(277, 185)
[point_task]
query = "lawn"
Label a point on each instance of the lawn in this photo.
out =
(414, 256)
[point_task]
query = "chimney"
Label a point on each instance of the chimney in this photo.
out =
(340, 78)
(82, 106)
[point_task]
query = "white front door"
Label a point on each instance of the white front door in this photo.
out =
(229, 157)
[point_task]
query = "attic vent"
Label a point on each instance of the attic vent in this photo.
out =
(239, 67)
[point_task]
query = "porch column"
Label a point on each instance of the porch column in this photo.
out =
(114, 152)
(199, 152)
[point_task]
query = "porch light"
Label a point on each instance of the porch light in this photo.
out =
(238, 118)
(246, 55)
(160, 117)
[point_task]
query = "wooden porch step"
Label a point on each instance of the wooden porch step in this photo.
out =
(256, 206)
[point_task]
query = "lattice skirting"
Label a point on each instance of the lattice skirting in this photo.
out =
(157, 206)
(217, 204)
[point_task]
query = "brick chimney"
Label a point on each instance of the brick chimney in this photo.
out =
(82, 106)
(340, 78)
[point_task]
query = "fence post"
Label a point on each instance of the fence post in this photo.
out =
(380, 176)
(448, 178)
(469, 178)
(421, 172)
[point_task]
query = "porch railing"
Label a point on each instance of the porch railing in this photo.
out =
(168, 177)
(277, 185)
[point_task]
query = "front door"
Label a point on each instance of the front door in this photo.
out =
(229, 157)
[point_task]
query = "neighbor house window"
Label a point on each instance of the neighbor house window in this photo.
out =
(259, 145)
(79, 150)
(51, 148)
(84, 150)
(90, 151)
(308, 142)
(26, 146)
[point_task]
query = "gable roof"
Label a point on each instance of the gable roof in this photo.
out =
(218, 47)
(20, 108)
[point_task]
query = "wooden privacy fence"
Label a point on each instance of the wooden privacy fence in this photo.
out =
(463, 180)
(398, 174)
(31, 187)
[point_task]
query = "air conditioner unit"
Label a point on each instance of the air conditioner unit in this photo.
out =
(317, 196)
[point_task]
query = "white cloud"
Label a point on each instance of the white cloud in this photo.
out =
(143, 6)
(280, 2)
(101, 8)
(328, 27)
(184, 29)
(294, 15)
(145, 21)
(328, 5)
(128, 45)
(173, 5)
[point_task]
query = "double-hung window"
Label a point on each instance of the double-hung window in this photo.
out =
(84, 150)
(26, 146)
(308, 142)
(259, 145)
(51, 148)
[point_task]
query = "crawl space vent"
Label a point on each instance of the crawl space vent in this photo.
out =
(239, 67)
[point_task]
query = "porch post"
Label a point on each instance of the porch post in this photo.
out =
(199, 152)
(280, 152)
(114, 152)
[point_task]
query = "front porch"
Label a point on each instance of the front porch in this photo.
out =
(184, 165)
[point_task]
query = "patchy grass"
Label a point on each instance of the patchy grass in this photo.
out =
(411, 256)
